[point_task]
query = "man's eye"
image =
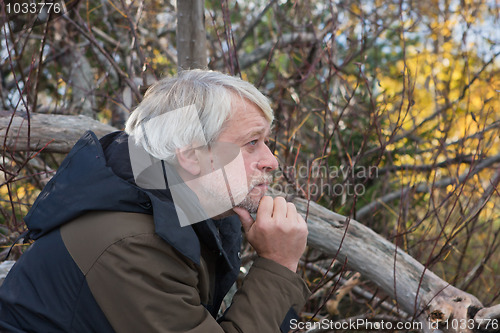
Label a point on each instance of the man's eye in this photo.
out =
(253, 143)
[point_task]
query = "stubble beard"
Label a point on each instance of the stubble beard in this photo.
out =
(218, 194)
(251, 204)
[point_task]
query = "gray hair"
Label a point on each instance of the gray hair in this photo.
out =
(191, 108)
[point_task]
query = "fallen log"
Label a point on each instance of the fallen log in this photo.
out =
(53, 133)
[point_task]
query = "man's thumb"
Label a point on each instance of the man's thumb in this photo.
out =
(245, 218)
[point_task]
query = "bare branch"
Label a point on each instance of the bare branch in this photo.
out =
(246, 60)
(424, 187)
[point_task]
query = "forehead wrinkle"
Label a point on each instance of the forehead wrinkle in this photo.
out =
(259, 132)
(247, 121)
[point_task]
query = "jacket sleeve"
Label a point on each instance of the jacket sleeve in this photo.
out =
(271, 295)
(143, 285)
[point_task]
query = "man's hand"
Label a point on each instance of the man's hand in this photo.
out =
(278, 233)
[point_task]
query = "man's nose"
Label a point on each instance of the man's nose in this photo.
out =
(268, 161)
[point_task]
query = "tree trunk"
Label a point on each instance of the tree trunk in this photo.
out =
(191, 36)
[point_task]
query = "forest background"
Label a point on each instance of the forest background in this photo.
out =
(387, 112)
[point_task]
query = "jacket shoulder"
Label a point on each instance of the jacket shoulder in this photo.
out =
(89, 235)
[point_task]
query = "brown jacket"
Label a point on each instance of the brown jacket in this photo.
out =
(142, 284)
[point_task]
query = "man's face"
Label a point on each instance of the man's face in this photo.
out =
(246, 135)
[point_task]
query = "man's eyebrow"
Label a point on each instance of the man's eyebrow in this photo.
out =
(259, 132)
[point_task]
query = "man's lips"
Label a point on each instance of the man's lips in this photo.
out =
(261, 186)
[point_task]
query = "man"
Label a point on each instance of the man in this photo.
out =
(139, 231)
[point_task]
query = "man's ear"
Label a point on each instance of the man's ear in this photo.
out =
(188, 160)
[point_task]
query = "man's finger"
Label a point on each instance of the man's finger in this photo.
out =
(265, 208)
(300, 219)
(291, 211)
(280, 207)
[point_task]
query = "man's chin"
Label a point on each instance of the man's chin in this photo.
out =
(250, 204)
